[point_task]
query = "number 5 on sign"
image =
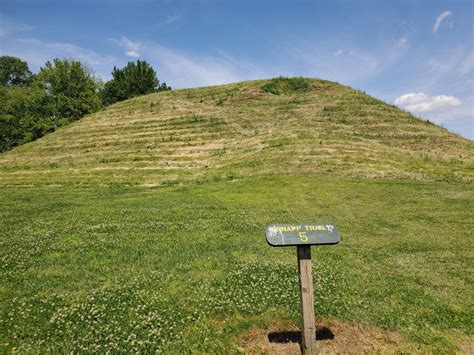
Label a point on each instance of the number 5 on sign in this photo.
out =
(303, 236)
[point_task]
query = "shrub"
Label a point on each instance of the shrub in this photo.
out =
(280, 85)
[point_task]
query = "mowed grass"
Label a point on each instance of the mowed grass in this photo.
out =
(187, 268)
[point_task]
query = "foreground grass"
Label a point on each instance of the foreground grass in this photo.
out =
(188, 268)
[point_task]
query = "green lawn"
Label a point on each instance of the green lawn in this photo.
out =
(188, 268)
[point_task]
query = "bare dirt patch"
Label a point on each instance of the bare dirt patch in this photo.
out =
(332, 337)
(467, 346)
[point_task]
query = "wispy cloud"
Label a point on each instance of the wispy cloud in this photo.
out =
(36, 52)
(183, 70)
(421, 102)
(439, 20)
(8, 27)
(62, 49)
(451, 67)
(306, 57)
(169, 20)
(402, 42)
(132, 49)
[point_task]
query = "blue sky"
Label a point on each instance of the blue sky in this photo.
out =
(416, 54)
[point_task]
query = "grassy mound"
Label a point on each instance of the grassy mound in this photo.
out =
(240, 130)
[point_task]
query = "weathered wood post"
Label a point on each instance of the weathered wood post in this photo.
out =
(303, 236)
(308, 329)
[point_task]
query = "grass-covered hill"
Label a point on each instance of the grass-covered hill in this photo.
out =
(141, 228)
(286, 126)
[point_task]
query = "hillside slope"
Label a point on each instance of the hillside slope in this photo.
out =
(295, 126)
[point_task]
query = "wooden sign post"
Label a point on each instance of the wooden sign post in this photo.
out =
(303, 236)
(308, 328)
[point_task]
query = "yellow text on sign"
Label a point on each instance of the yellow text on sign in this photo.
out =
(315, 228)
(298, 228)
(303, 236)
(289, 229)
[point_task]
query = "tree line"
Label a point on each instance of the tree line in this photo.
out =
(64, 90)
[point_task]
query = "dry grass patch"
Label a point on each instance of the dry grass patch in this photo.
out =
(332, 337)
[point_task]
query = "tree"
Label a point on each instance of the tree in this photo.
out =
(14, 72)
(24, 106)
(134, 79)
(24, 115)
(73, 90)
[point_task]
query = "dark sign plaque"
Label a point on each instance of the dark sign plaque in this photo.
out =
(320, 233)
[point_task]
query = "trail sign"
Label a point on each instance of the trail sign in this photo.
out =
(279, 235)
(303, 236)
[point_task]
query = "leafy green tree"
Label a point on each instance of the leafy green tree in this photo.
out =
(73, 90)
(134, 79)
(14, 72)
(24, 115)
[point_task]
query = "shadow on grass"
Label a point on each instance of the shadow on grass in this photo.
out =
(322, 333)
